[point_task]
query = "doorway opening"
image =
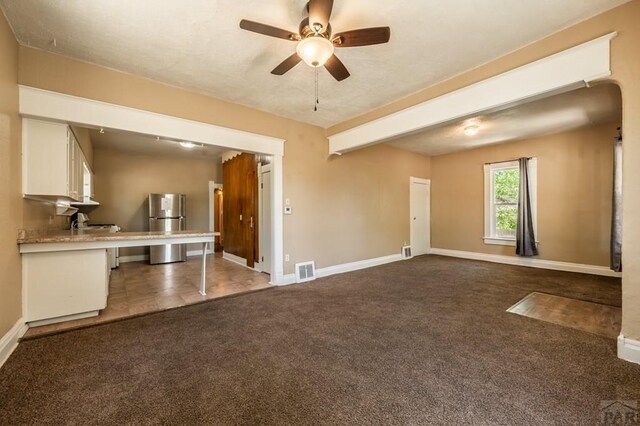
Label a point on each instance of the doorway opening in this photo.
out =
(570, 145)
(264, 203)
(246, 210)
(216, 224)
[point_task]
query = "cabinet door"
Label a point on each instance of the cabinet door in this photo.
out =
(73, 169)
(76, 172)
(91, 184)
(45, 156)
(87, 180)
(80, 160)
(64, 283)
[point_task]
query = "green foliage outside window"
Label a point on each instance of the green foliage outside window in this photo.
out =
(506, 185)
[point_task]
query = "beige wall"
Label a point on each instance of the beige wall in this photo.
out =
(41, 216)
(14, 211)
(124, 180)
(625, 66)
(84, 140)
(574, 195)
(11, 205)
(351, 187)
(349, 207)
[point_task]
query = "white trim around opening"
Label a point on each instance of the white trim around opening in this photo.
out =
(60, 107)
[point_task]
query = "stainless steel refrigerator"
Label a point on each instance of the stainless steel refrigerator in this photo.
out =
(167, 213)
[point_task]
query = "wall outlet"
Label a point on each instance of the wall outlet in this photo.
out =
(286, 257)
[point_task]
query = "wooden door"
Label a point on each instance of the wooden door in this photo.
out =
(250, 209)
(240, 207)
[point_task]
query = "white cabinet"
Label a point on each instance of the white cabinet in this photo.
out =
(52, 161)
(58, 286)
(75, 164)
(87, 181)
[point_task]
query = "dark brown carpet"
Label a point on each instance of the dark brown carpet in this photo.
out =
(426, 341)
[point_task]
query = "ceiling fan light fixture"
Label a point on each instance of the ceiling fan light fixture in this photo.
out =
(315, 51)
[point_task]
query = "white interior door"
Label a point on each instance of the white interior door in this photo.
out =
(420, 215)
(265, 219)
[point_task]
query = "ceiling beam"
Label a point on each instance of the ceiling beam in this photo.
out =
(574, 67)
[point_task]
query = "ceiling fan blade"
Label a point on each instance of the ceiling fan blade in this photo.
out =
(320, 12)
(336, 68)
(287, 64)
(259, 28)
(362, 37)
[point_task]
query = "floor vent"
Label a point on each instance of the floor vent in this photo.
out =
(406, 252)
(305, 271)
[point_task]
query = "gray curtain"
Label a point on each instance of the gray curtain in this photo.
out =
(616, 211)
(525, 237)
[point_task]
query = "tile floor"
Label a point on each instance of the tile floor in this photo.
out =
(596, 318)
(137, 288)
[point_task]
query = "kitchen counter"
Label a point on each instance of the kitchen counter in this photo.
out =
(82, 236)
(42, 242)
(54, 260)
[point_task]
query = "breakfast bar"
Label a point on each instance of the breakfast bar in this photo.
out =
(66, 274)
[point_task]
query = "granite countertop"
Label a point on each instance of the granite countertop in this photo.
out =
(75, 236)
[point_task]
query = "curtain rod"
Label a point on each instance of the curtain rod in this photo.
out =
(508, 161)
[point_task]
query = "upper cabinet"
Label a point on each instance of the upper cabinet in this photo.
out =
(53, 165)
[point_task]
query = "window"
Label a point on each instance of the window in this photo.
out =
(502, 183)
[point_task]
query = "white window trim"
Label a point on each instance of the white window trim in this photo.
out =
(489, 238)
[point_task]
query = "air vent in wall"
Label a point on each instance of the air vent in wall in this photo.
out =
(305, 271)
(406, 252)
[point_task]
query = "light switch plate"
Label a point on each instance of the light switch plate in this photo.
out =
(287, 210)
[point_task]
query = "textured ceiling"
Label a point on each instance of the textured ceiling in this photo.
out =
(197, 44)
(568, 111)
(134, 143)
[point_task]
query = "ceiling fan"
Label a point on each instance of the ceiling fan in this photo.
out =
(316, 42)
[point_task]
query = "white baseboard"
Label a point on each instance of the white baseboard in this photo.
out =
(354, 266)
(235, 259)
(628, 349)
(529, 262)
(345, 267)
(9, 341)
(286, 280)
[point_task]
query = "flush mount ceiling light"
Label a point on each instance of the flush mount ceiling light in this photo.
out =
(471, 129)
(187, 144)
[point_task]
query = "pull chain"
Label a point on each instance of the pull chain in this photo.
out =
(315, 106)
